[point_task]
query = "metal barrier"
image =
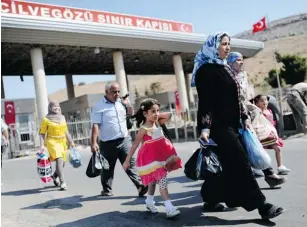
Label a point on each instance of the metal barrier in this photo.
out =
(80, 131)
(181, 128)
(23, 142)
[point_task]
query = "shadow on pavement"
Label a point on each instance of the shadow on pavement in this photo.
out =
(30, 191)
(270, 189)
(181, 179)
(99, 197)
(194, 185)
(178, 199)
(188, 217)
(67, 203)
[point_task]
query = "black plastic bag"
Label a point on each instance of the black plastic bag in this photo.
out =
(96, 165)
(210, 164)
(190, 166)
(203, 164)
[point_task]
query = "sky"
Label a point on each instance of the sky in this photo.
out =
(206, 16)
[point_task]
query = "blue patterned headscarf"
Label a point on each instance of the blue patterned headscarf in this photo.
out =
(208, 54)
(232, 58)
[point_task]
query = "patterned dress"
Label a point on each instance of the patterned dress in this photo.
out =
(157, 156)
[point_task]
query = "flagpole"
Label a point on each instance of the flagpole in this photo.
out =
(277, 73)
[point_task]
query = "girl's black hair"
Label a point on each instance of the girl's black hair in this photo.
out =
(257, 98)
(144, 107)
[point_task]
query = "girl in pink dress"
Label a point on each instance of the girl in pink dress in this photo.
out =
(261, 101)
(157, 155)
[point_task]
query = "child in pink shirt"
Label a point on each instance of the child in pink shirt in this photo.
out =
(261, 101)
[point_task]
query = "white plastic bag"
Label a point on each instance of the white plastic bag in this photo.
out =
(75, 158)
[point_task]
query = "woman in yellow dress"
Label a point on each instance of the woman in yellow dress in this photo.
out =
(55, 134)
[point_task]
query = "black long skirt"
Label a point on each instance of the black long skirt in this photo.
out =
(236, 186)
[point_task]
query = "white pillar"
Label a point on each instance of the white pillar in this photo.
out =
(39, 82)
(2, 89)
(70, 86)
(183, 98)
(120, 72)
(189, 89)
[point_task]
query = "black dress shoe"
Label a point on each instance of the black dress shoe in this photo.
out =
(273, 181)
(217, 207)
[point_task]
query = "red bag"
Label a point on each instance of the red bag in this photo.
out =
(44, 168)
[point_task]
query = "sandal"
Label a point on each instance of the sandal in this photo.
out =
(269, 211)
(143, 190)
(56, 181)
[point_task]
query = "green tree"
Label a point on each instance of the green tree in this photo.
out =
(272, 79)
(294, 68)
(155, 88)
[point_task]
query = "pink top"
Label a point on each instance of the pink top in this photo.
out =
(269, 115)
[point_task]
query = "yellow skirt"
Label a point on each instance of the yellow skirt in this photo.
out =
(57, 148)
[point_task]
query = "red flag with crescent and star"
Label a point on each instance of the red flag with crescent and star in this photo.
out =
(260, 25)
(10, 114)
(177, 102)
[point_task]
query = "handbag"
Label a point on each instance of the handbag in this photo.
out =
(264, 130)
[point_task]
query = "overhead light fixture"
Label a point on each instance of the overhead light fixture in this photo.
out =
(137, 59)
(97, 50)
(162, 53)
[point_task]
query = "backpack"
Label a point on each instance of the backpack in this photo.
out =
(128, 118)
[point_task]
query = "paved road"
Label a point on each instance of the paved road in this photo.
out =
(27, 202)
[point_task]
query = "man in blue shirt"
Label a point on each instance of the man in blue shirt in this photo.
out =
(109, 124)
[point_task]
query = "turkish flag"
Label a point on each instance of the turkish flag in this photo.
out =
(178, 108)
(260, 25)
(10, 115)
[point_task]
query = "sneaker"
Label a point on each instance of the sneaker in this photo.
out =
(282, 170)
(63, 186)
(104, 193)
(173, 212)
(152, 208)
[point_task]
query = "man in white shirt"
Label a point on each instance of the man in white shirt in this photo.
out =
(109, 124)
(297, 100)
